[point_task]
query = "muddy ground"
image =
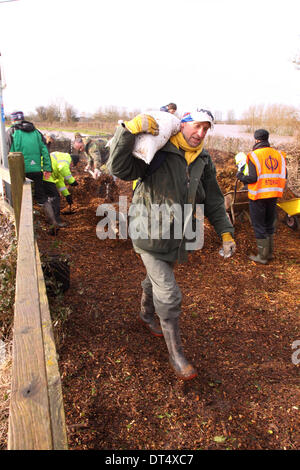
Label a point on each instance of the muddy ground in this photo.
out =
(239, 321)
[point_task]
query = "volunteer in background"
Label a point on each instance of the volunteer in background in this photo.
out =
(75, 151)
(23, 137)
(97, 154)
(186, 175)
(266, 182)
(49, 139)
(241, 163)
(169, 108)
(60, 176)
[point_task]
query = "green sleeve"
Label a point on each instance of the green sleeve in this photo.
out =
(46, 157)
(62, 188)
(65, 173)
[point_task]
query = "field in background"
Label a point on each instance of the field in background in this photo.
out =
(98, 128)
(237, 131)
(228, 138)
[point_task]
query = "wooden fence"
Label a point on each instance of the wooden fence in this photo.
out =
(36, 415)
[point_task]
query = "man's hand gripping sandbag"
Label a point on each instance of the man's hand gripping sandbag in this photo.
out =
(152, 132)
(142, 123)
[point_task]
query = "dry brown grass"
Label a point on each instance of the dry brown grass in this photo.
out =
(279, 119)
(230, 145)
(97, 127)
(7, 292)
(5, 388)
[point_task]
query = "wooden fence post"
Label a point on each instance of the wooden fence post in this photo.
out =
(17, 174)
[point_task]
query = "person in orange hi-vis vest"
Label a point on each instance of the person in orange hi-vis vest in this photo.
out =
(266, 182)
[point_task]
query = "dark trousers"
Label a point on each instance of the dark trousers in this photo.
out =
(263, 216)
(39, 194)
(45, 191)
(53, 196)
(51, 189)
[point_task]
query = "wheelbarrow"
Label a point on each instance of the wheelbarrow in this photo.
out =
(292, 212)
(236, 202)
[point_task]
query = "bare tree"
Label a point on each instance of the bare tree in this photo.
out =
(70, 113)
(277, 118)
(41, 113)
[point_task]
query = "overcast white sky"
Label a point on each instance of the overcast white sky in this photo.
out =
(222, 54)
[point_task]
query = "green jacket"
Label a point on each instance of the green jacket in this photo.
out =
(173, 182)
(61, 173)
(25, 138)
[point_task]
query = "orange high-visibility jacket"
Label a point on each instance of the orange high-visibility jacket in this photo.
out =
(270, 167)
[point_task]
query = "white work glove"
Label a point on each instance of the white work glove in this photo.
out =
(240, 160)
(87, 168)
(96, 173)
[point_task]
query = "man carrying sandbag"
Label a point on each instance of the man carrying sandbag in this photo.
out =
(185, 176)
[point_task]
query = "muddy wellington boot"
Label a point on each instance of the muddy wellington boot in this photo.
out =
(49, 213)
(183, 369)
(61, 223)
(263, 251)
(147, 315)
(55, 202)
(271, 247)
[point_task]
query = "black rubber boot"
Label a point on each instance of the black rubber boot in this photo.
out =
(60, 222)
(147, 315)
(49, 213)
(183, 369)
(263, 251)
(55, 202)
(48, 209)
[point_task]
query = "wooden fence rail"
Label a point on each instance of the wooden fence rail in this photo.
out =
(36, 415)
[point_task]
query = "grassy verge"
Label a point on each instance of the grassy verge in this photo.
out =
(105, 129)
(8, 262)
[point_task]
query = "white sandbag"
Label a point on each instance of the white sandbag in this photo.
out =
(146, 145)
